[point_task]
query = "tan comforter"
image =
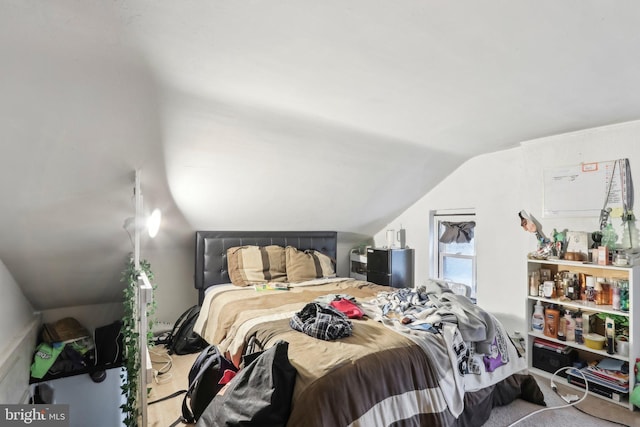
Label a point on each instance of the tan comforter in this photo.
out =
(377, 376)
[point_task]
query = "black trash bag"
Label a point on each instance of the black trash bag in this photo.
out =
(259, 395)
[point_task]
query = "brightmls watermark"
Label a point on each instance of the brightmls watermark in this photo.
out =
(34, 415)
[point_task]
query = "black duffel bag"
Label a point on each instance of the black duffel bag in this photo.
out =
(259, 395)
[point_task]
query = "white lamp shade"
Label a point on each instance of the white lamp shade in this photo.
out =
(153, 223)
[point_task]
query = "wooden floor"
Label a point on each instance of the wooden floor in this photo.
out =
(163, 414)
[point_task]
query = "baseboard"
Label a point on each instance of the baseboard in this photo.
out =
(160, 328)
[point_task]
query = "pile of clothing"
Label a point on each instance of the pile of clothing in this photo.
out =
(327, 318)
(65, 346)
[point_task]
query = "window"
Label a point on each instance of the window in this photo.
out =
(453, 255)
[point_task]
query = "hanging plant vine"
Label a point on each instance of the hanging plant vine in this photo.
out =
(130, 338)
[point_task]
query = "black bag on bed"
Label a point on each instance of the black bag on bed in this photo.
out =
(182, 339)
(259, 395)
(205, 381)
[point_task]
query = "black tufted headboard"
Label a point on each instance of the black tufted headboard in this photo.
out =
(211, 250)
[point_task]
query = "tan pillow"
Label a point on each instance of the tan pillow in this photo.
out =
(256, 264)
(307, 265)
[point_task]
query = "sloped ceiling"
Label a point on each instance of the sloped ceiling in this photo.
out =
(273, 115)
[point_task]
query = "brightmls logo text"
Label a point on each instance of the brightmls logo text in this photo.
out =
(34, 415)
(27, 416)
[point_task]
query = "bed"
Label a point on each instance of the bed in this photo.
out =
(423, 356)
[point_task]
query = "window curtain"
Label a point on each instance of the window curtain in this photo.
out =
(458, 232)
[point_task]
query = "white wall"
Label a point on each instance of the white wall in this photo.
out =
(15, 311)
(174, 271)
(17, 339)
(90, 316)
(498, 186)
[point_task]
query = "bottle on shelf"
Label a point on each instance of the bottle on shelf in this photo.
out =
(559, 288)
(566, 284)
(551, 318)
(549, 289)
(541, 289)
(570, 326)
(537, 320)
(603, 292)
(624, 295)
(562, 327)
(573, 288)
(582, 286)
(590, 290)
(534, 283)
(577, 316)
(615, 295)
(610, 332)
(586, 323)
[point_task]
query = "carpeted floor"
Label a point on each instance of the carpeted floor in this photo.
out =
(603, 414)
(163, 414)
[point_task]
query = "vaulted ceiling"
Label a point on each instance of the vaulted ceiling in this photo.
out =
(273, 115)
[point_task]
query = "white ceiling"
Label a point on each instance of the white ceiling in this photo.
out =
(274, 115)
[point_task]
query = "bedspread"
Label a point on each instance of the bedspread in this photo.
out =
(384, 373)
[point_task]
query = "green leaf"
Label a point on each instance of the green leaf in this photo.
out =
(130, 318)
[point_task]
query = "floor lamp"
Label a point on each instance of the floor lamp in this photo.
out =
(145, 294)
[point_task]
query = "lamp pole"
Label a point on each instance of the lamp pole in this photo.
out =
(143, 296)
(137, 221)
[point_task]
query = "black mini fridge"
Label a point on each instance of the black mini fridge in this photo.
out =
(390, 267)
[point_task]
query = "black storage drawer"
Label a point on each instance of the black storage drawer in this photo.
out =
(551, 361)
